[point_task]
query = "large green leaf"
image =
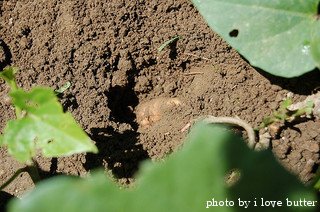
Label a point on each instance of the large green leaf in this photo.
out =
(275, 35)
(44, 126)
(315, 43)
(185, 181)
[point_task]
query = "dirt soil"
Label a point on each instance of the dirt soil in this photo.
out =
(108, 51)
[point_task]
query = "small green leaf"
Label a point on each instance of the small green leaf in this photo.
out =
(280, 36)
(44, 126)
(185, 181)
(285, 104)
(168, 42)
(8, 74)
(309, 108)
(63, 88)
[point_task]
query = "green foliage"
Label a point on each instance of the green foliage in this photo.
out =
(281, 37)
(44, 126)
(317, 184)
(315, 43)
(284, 115)
(41, 124)
(8, 74)
(185, 181)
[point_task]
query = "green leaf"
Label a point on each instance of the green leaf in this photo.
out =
(63, 88)
(285, 104)
(1, 140)
(168, 42)
(274, 35)
(315, 43)
(186, 181)
(44, 126)
(8, 74)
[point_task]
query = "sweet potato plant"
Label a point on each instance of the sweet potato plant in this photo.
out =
(214, 169)
(40, 124)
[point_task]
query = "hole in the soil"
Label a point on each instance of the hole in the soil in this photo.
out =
(318, 11)
(234, 33)
(121, 101)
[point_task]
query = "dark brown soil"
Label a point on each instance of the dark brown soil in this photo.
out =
(108, 51)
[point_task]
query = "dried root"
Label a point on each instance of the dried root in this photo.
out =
(234, 122)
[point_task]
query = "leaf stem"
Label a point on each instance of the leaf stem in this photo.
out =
(8, 75)
(14, 87)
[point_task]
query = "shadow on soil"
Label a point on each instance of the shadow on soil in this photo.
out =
(306, 84)
(118, 152)
(121, 101)
(5, 55)
(4, 199)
